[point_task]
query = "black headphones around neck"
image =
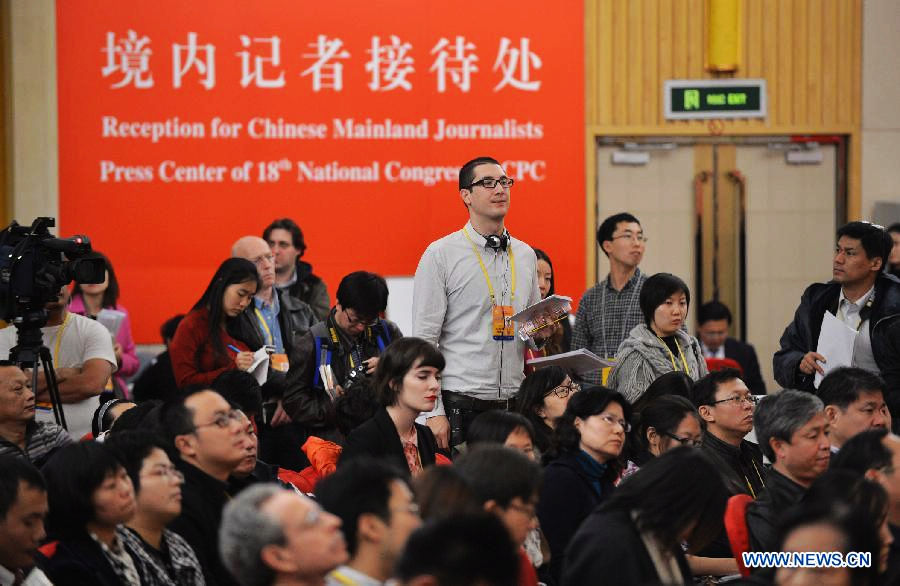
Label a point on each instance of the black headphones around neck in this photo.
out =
(497, 242)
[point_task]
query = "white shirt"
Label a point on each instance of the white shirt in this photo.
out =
(34, 578)
(452, 308)
(82, 339)
(849, 313)
(707, 353)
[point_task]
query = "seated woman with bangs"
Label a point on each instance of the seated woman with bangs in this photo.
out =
(407, 382)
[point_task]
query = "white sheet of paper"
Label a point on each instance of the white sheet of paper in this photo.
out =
(836, 341)
(260, 366)
(579, 361)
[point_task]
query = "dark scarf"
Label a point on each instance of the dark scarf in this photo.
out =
(593, 469)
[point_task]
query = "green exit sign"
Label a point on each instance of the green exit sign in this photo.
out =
(714, 98)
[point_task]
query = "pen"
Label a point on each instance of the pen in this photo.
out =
(234, 348)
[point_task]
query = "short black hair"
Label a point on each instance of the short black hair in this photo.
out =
(894, 228)
(842, 386)
(704, 392)
(530, 399)
(664, 414)
(363, 292)
(467, 171)
(494, 426)
(864, 451)
(581, 405)
(175, 418)
(143, 416)
(292, 227)
(609, 225)
(357, 488)
(680, 489)
(656, 290)
(16, 471)
(132, 448)
(461, 551)
(500, 474)
(240, 388)
(73, 473)
(167, 330)
(675, 382)
(713, 311)
(442, 492)
(399, 358)
(875, 240)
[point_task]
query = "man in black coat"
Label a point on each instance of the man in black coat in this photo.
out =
(793, 434)
(863, 297)
(714, 319)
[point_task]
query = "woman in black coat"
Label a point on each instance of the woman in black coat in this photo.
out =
(407, 382)
(90, 497)
(588, 440)
(636, 536)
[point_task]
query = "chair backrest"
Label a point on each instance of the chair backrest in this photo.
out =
(736, 528)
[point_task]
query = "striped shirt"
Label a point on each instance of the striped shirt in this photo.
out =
(41, 441)
(605, 316)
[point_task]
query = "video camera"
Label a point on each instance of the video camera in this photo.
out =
(34, 266)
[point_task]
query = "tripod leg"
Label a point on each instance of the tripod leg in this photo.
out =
(52, 386)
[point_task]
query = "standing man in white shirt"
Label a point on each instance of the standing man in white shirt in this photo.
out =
(467, 284)
(83, 359)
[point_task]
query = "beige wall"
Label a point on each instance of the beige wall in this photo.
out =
(881, 103)
(32, 162)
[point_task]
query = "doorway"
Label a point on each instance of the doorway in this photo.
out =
(749, 221)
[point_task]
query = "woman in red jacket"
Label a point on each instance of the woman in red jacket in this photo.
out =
(205, 344)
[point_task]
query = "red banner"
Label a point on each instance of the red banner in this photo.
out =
(185, 125)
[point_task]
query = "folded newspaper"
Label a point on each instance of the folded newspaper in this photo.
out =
(578, 361)
(545, 312)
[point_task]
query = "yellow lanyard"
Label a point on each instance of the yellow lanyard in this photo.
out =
(59, 335)
(512, 269)
(672, 356)
(262, 322)
(342, 578)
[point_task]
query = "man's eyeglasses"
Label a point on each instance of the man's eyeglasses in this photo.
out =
(638, 237)
(685, 441)
(353, 320)
(737, 400)
(612, 421)
(223, 420)
(490, 182)
(563, 391)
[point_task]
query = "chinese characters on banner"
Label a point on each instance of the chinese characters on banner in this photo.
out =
(183, 126)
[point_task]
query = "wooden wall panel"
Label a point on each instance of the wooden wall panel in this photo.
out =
(809, 51)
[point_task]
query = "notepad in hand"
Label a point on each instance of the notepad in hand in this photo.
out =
(579, 361)
(542, 314)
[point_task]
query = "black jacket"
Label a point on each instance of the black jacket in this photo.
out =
(765, 512)
(157, 381)
(305, 399)
(75, 562)
(742, 468)
(310, 289)
(802, 335)
(294, 317)
(608, 549)
(202, 500)
(745, 355)
(378, 438)
(567, 497)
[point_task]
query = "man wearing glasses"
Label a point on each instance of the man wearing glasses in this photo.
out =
(726, 405)
(277, 319)
(338, 353)
(209, 438)
(865, 299)
(466, 287)
(609, 310)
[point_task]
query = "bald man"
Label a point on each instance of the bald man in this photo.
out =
(277, 319)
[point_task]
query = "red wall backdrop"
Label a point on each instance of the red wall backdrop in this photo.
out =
(127, 70)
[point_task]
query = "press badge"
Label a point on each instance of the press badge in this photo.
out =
(501, 326)
(279, 362)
